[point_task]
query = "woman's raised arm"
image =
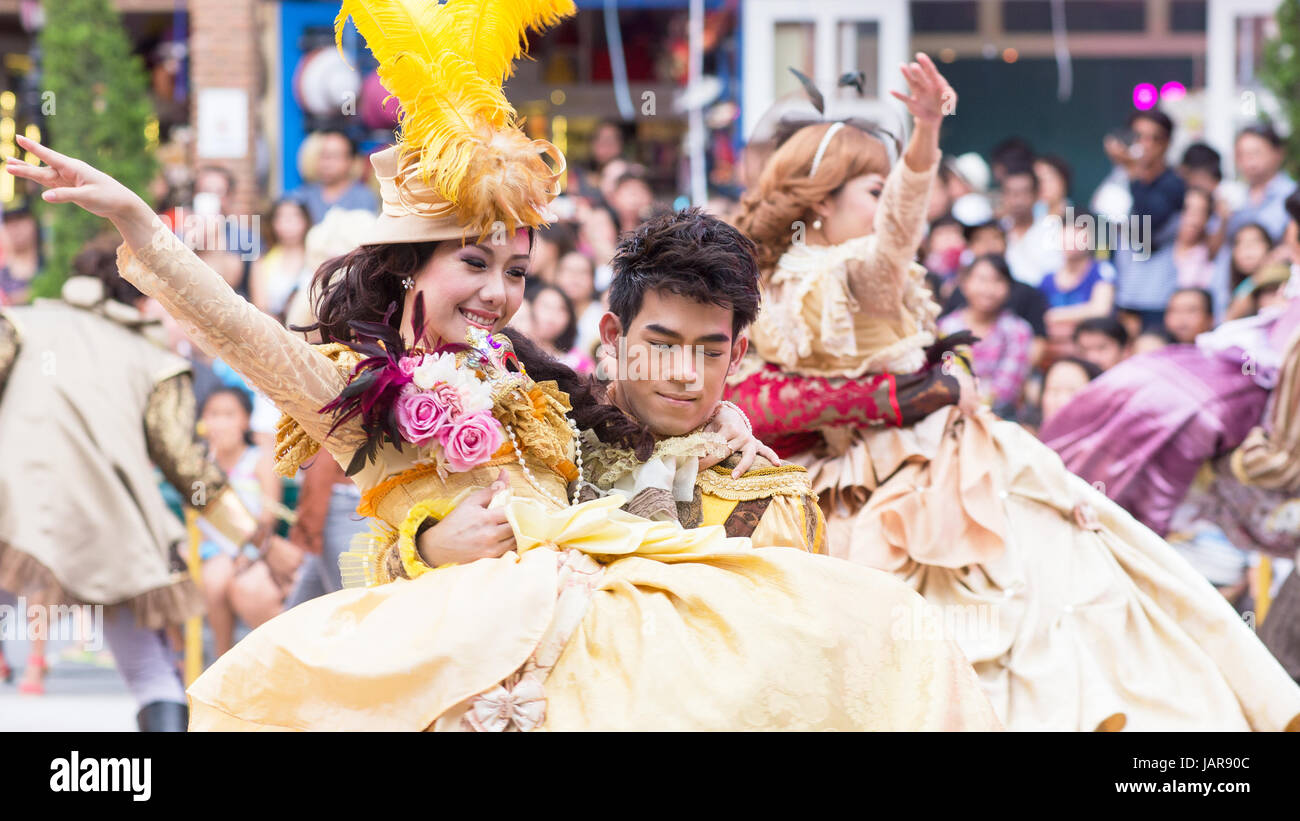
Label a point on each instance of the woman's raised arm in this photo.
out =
(292, 374)
(900, 212)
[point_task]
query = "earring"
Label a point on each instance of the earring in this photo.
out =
(408, 283)
(817, 225)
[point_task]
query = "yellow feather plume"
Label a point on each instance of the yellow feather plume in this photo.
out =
(445, 64)
(492, 35)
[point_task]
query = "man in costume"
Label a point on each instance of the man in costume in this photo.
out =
(89, 403)
(682, 297)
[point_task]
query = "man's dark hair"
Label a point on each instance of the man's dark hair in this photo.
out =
(18, 214)
(1108, 325)
(1021, 169)
(1293, 205)
(98, 259)
(1207, 299)
(1201, 157)
(1087, 367)
(1264, 131)
(1160, 118)
(691, 254)
(1012, 151)
(630, 176)
(1061, 167)
(335, 132)
(223, 172)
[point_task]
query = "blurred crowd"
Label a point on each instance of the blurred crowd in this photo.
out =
(1059, 292)
(1058, 289)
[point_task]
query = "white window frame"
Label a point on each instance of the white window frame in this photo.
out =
(1223, 97)
(760, 17)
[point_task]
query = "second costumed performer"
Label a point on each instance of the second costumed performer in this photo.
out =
(599, 619)
(1085, 618)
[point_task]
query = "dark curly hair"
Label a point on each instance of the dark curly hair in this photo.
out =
(362, 284)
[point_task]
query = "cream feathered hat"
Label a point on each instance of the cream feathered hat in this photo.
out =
(461, 164)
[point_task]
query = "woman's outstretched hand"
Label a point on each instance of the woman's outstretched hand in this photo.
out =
(929, 101)
(71, 180)
(931, 98)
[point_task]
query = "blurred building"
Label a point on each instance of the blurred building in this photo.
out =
(1060, 73)
(241, 83)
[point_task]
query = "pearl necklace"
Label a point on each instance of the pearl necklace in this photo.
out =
(528, 473)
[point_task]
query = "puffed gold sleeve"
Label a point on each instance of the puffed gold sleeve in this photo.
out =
(180, 455)
(280, 364)
(1270, 456)
(772, 504)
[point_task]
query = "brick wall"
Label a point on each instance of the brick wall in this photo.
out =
(224, 54)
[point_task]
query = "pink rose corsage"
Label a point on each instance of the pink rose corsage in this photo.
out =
(425, 399)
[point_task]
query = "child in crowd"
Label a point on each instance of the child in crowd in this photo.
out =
(1103, 341)
(1002, 357)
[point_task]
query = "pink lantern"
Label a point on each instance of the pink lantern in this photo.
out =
(375, 113)
(1172, 90)
(1144, 96)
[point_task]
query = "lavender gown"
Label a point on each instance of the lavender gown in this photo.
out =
(1144, 428)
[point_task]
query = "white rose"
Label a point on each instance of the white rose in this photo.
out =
(475, 394)
(434, 369)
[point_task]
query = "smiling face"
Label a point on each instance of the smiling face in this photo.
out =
(469, 286)
(225, 421)
(550, 316)
(1186, 316)
(1256, 159)
(1098, 348)
(1019, 193)
(986, 290)
(678, 354)
(290, 224)
(1249, 248)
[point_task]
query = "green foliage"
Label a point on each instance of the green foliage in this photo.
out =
(1280, 73)
(97, 107)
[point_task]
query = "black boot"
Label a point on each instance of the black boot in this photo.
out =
(164, 717)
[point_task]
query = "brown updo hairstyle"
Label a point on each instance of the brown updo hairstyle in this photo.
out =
(785, 193)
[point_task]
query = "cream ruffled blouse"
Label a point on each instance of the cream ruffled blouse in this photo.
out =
(858, 307)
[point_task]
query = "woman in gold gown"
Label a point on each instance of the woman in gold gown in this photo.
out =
(1075, 616)
(597, 619)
